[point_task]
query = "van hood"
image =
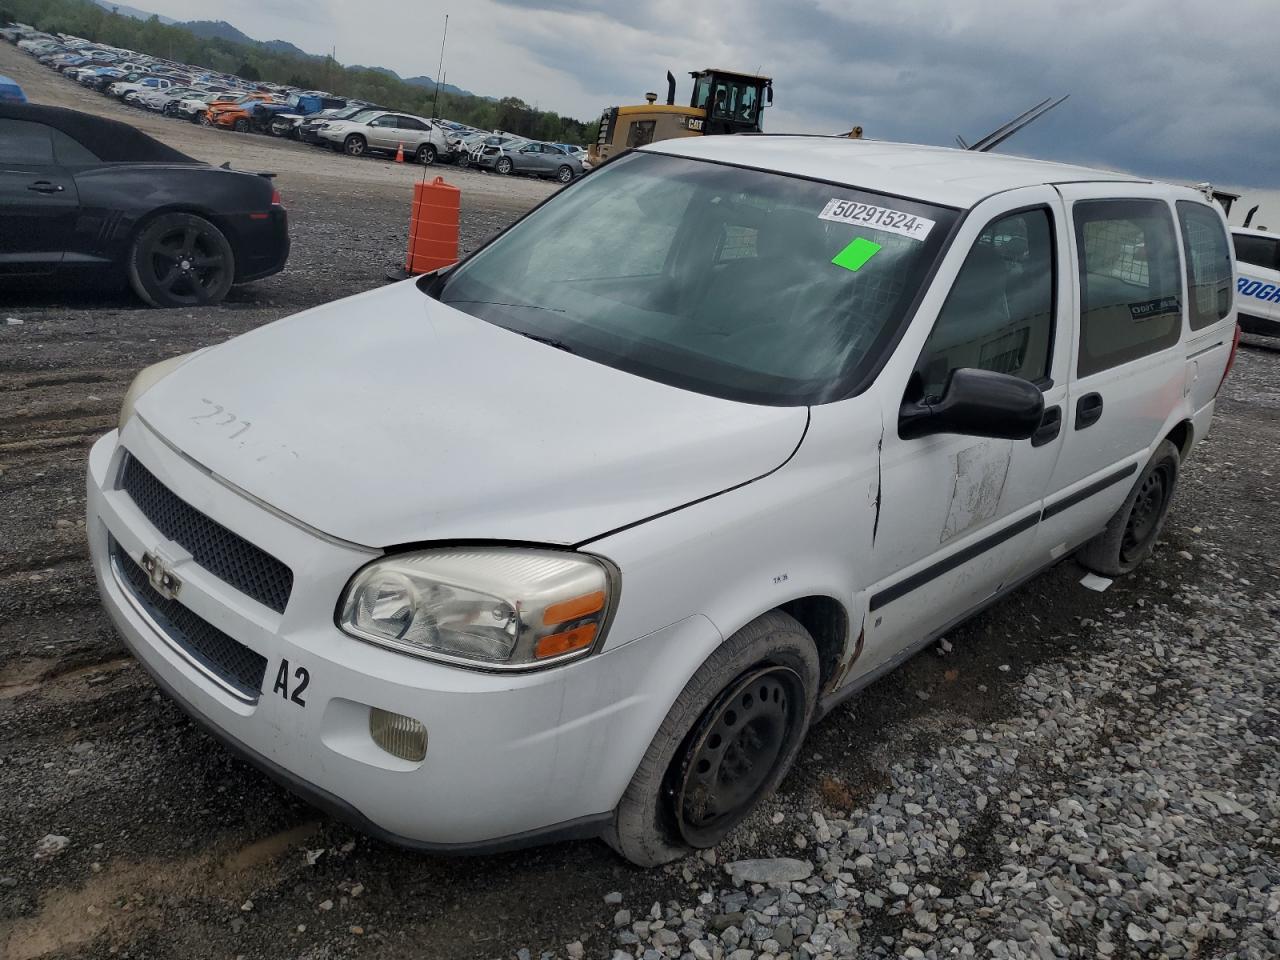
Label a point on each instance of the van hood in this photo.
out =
(390, 418)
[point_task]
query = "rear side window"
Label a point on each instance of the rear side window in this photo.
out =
(1258, 251)
(22, 141)
(999, 313)
(1130, 281)
(1209, 274)
(71, 152)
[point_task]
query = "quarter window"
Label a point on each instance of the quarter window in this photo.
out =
(1000, 311)
(1208, 264)
(1130, 280)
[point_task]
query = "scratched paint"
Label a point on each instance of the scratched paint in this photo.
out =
(980, 473)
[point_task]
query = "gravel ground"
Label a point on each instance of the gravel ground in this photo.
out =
(1072, 774)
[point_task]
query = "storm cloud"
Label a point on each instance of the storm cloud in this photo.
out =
(1166, 88)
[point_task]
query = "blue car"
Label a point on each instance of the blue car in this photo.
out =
(10, 92)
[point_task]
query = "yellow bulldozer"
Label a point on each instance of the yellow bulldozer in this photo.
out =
(723, 101)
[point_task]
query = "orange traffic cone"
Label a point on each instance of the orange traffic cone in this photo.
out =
(400, 153)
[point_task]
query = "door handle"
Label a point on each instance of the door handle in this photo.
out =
(44, 186)
(1050, 425)
(1088, 410)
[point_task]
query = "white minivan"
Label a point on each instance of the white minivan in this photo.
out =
(1258, 280)
(578, 537)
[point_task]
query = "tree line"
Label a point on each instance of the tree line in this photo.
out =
(260, 63)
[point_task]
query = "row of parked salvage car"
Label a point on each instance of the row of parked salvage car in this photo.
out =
(228, 102)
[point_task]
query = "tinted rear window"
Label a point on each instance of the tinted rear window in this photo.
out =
(1257, 251)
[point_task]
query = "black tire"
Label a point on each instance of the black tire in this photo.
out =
(647, 827)
(354, 146)
(504, 166)
(169, 109)
(204, 119)
(1132, 533)
(181, 260)
(565, 173)
(426, 154)
(241, 126)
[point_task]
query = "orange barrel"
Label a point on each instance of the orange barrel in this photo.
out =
(433, 227)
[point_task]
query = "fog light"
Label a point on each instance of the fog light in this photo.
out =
(397, 734)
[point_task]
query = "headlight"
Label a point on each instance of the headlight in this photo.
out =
(147, 379)
(496, 608)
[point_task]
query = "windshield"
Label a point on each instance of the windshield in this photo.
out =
(738, 283)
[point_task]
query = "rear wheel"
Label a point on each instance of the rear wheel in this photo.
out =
(565, 173)
(1132, 533)
(354, 145)
(181, 260)
(724, 746)
(426, 154)
(504, 165)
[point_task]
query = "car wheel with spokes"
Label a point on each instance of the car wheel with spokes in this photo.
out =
(205, 119)
(1132, 532)
(725, 744)
(565, 173)
(504, 165)
(242, 125)
(181, 260)
(426, 154)
(354, 145)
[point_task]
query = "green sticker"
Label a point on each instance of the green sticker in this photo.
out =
(855, 256)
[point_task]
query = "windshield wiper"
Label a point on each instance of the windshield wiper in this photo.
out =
(549, 341)
(499, 303)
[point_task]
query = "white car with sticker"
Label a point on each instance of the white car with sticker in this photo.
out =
(1258, 280)
(578, 537)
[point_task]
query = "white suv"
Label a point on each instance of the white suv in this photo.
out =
(387, 132)
(580, 536)
(1258, 281)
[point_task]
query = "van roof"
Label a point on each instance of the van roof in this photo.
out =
(943, 175)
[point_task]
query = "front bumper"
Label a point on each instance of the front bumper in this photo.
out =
(510, 758)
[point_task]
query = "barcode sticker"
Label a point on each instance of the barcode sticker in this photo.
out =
(878, 218)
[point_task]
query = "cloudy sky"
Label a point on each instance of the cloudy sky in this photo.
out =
(1169, 88)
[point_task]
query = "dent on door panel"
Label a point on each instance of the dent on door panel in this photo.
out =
(980, 473)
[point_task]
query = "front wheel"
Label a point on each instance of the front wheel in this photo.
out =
(1131, 533)
(241, 126)
(565, 173)
(354, 145)
(503, 165)
(205, 119)
(181, 260)
(725, 744)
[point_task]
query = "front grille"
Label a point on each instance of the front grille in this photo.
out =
(224, 657)
(226, 555)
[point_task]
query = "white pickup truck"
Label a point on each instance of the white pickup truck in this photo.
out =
(1258, 280)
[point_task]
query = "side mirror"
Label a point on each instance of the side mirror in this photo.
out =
(976, 403)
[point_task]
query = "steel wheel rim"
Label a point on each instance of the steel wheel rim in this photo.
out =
(734, 752)
(1144, 516)
(185, 262)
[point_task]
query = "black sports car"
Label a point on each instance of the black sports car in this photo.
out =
(82, 197)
